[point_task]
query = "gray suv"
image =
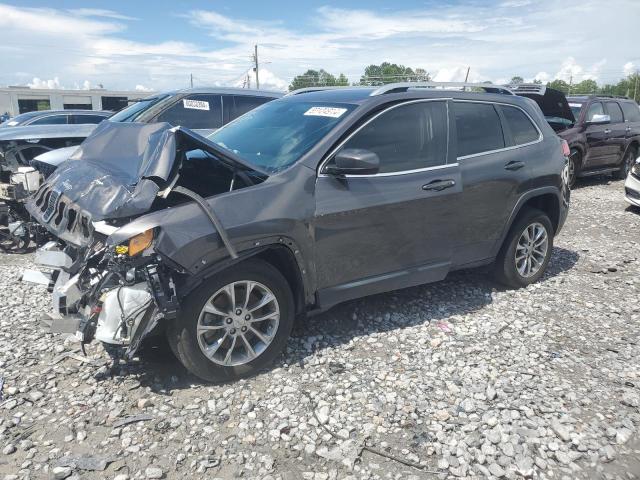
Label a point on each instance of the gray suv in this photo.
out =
(307, 201)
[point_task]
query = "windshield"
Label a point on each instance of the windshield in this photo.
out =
(133, 111)
(278, 133)
(575, 109)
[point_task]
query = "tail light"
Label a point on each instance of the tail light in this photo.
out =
(566, 151)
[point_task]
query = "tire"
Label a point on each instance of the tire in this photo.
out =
(262, 340)
(506, 269)
(627, 162)
(575, 163)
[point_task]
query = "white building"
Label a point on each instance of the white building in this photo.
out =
(16, 100)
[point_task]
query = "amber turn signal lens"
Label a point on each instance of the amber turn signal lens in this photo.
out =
(140, 242)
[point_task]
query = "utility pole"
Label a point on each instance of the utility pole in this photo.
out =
(466, 77)
(191, 79)
(255, 68)
(570, 83)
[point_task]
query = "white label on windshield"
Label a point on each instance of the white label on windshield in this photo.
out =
(195, 104)
(325, 112)
(575, 105)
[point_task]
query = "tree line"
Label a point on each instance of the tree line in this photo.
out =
(386, 72)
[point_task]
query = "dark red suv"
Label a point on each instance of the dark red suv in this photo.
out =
(603, 132)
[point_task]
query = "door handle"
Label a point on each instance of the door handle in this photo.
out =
(514, 165)
(607, 131)
(439, 185)
(628, 129)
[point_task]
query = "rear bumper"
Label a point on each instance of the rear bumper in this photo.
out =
(632, 190)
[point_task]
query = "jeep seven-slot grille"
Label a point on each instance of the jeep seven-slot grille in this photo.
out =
(56, 210)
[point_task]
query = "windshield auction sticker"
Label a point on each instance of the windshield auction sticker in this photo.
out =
(195, 104)
(325, 112)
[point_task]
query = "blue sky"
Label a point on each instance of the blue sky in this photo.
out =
(157, 45)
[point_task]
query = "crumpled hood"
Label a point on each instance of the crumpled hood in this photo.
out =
(115, 173)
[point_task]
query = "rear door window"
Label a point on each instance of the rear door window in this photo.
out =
(50, 120)
(615, 112)
(201, 111)
(478, 128)
(408, 137)
(237, 105)
(522, 129)
(86, 119)
(631, 112)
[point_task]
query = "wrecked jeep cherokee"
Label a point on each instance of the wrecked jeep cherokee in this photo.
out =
(317, 198)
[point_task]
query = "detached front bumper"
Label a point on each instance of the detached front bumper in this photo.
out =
(91, 304)
(632, 190)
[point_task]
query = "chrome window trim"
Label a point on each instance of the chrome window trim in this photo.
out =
(504, 149)
(401, 172)
(50, 115)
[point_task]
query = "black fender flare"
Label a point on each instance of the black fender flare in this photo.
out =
(524, 198)
(189, 283)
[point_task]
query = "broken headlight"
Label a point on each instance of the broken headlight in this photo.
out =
(636, 168)
(136, 244)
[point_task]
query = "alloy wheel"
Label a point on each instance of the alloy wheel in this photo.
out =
(531, 250)
(238, 322)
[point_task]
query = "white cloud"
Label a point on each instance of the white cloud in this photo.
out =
(629, 68)
(268, 80)
(50, 84)
(99, 12)
(498, 40)
(142, 88)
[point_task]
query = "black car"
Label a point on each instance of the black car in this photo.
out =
(603, 132)
(305, 202)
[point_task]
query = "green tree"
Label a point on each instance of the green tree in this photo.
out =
(318, 78)
(516, 80)
(390, 73)
(585, 87)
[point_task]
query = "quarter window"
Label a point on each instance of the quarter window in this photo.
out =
(408, 137)
(194, 111)
(631, 112)
(594, 109)
(239, 105)
(87, 119)
(522, 130)
(614, 112)
(478, 128)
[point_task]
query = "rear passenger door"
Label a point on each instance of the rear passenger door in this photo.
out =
(616, 138)
(389, 230)
(494, 171)
(199, 112)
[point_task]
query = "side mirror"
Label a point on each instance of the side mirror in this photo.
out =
(599, 119)
(354, 161)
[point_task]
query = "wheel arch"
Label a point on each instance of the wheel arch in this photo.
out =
(280, 253)
(545, 199)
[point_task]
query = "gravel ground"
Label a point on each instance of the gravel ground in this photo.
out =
(455, 379)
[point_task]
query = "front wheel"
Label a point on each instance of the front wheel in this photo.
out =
(235, 324)
(526, 251)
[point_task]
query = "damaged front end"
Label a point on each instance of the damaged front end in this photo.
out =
(108, 279)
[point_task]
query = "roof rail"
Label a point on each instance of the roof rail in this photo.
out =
(535, 88)
(404, 86)
(609, 96)
(313, 89)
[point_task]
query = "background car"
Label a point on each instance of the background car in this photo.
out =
(603, 132)
(202, 110)
(632, 185)
(57, 117)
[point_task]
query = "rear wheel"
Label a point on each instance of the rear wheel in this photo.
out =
(526, 251)
(235, 324)
(627, 162)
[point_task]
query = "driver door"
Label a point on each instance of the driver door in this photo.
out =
(392, 229)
